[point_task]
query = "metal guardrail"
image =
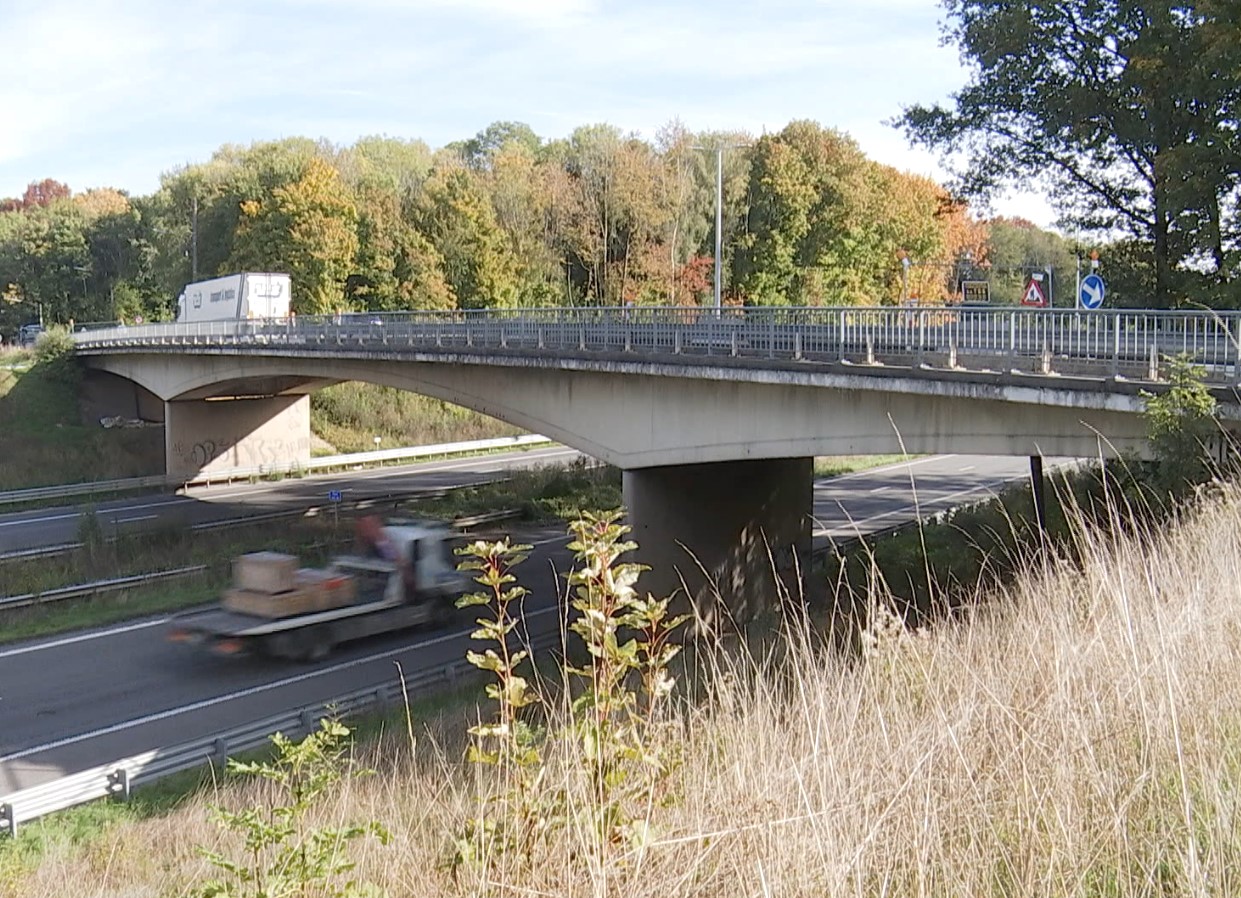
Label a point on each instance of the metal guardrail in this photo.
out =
(99, 587)
(119, 777)
(373, 457)
(38, 493)
(379, 456)
(1105, 341)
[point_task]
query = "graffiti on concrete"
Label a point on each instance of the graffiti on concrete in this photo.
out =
(249, 452)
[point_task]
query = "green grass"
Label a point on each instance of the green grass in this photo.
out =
(43, 441)
(542, 495)
(349, 416)
(836, 465)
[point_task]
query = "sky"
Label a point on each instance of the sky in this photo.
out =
(113, 93)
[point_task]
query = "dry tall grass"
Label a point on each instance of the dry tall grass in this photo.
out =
(1077, 737)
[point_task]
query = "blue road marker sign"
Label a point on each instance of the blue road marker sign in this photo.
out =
(333, 496)
(1092, 292)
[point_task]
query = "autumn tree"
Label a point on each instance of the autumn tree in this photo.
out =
(307, 228)
(456, 215)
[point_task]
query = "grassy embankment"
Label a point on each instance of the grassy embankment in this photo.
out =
(43, 441)
(1074, 734)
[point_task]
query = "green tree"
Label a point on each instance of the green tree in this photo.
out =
(1128, 111)
(307, 228)
(397, 267)
(455, 213)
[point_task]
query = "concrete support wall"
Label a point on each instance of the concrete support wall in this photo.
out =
(235, 433)
(714, 530)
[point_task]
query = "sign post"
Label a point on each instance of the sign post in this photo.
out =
(333, 496)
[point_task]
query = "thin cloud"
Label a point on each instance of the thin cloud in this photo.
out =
(114, 81)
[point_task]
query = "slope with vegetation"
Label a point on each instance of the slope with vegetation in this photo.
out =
(1074, 736)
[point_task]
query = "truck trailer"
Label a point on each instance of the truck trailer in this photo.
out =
(235, 297)
(400, 575)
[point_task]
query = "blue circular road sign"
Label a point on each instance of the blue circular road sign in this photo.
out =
(1092, 292)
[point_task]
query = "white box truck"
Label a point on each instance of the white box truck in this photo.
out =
(235, 297)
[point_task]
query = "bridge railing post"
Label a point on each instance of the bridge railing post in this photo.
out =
(1116, 323)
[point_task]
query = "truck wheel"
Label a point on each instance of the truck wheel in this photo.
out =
(304, 646)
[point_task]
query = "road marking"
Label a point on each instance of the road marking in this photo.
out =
(81, 637)
(880, 489)
(141, 517)
(854, 526)
(104, 513)
(882, 469)
(244, 693)
(968, 468)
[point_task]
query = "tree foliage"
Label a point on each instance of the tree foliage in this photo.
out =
(504, 219)
(1128, 111)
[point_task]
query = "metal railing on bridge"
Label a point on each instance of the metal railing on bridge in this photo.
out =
(1105, 342)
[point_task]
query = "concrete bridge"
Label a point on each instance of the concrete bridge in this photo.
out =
(714, 417)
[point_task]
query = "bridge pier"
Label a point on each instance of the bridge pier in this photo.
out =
(722, 533)
(213, 435)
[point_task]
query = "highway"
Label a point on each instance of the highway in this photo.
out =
(75, 701)
(59, 526)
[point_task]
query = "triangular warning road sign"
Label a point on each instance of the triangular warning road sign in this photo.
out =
(1034, 295)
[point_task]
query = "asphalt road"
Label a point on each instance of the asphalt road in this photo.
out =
(59, 526)
(85, 699)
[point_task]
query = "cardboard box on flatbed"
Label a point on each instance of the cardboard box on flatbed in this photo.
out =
(269, 572)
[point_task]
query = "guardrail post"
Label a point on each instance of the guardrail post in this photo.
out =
(797, 344)
(118, 783)
(540, 332)
(734, 344)
(676, 340)
(1046, 364)
(219, 750)
(870, 350)
(307, 719)
(8, 819)
(921, 348)
(581, 337)
(503, 338)
(840, 333)
(952, 350)
(1012, 338)
(1152, 368)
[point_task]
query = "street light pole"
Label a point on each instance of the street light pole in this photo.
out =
(719, 216)
(719, 223)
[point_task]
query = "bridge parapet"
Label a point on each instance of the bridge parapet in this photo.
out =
(1118, 342)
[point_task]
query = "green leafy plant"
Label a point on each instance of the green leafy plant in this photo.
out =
(1180, 424)
(512, 819)
(284, 854)
(55, 350)
(627, 640)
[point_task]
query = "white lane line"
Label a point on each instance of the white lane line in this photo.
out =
(243, 693)
(82, 637)
(141, 517)
(27, 522)
(101, 512)
(880, 489)
(883, 469)
(969, 468)
(988, 489)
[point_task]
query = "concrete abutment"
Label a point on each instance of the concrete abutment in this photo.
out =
(722, 532)
(211, 435)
